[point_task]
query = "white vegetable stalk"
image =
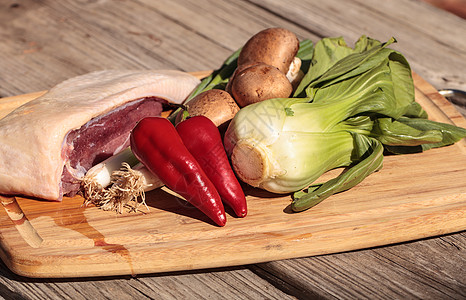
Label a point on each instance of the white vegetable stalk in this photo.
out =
(114, 184)
(101, 173)
(283, 145)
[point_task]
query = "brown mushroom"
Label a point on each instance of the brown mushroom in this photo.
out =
(215, 104)
(259, 82)
(273, 46)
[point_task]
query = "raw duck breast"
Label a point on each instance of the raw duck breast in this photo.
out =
(47, 144)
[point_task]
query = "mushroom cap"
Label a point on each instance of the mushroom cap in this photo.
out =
(273, 46)
(215, 104)
(259, 82)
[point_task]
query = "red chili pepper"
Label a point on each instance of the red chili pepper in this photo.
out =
(202, 138)
(156, 143)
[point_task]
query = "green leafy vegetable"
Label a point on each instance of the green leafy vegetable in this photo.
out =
(351, 104)
(369, 160)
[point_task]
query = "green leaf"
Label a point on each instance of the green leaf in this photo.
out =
(326, 53)
(370, 92)
(365, 43)
(289, 111)
(305, 54)
(402, 81)
(369, 156)
(378, 75)
(395, 133)
(306, 50)
(354, 64)
(415, 110)
(334, 61)
(360, 124)
(450, 134)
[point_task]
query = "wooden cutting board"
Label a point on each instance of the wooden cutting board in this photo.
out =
(414, 196)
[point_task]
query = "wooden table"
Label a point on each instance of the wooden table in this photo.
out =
(45, 42)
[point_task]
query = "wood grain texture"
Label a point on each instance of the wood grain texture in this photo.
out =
(53, 239)
(434, 46)
(45, 42)
(215, 284)
(426, 269)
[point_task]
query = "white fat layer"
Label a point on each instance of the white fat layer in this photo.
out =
(31, 161)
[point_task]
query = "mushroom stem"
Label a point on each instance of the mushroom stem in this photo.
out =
(294, 73)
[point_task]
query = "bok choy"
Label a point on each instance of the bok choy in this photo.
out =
(351, 105)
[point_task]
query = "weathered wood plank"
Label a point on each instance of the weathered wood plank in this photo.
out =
(212, 284)
(44, 42)
(62, 39)
(431, 39)
(426, 269)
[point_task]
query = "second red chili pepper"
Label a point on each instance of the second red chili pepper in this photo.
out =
(202, 138)
(156, 143)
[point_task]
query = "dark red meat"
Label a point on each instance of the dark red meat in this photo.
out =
(102, 137)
